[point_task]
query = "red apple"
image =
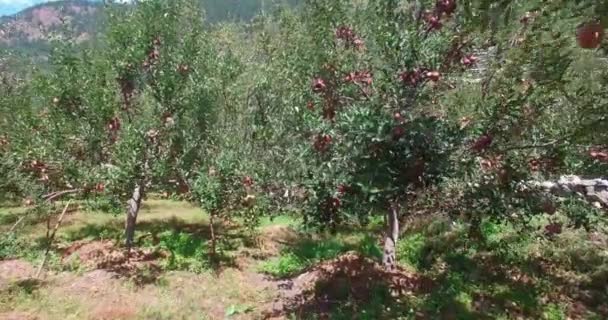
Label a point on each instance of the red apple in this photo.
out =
(433, 75)
(534, 164)
(446, 6)
(345, 33)
(310, 106)
(398, 132)
(553, 229)
(322, 143)
(413, 77)
(247, 181)
(318, 85)
(433, 21)
(599, 155)
(114, 124)
(336, 203)
(468, 60)
(482, 143)
(589, 35)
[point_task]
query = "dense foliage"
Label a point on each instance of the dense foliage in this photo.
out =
(336, 112)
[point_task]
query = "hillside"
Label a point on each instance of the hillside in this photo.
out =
(34, 28)
(31, 30)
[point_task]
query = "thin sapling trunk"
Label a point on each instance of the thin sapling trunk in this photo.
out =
(389, 259)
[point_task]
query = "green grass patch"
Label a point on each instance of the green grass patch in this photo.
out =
(186, 252)
(298, 257)
(410, 250)
(554, 312)
(283, 220)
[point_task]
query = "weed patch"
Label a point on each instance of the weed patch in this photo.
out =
(298, 257)
(186, 252)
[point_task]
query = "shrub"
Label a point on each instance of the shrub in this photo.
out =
(187, 252)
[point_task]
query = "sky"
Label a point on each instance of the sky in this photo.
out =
(8, 7)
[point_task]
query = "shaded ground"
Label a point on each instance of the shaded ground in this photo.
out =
(349, 282)
(168, 276)
(92, 277)
(104, 294)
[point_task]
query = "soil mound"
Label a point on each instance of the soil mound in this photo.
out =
(139, 264)
(349, 277)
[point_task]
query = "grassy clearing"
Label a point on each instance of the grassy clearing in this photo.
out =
(167, 225)
(186, 288)
(179, 295)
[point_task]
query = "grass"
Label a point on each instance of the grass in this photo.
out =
(282, 220)
(301, 255)
(99, 225)
(173, 226)
(187, 252)
(511, 275)
(9, 215)
(184, 297)
(178, 228)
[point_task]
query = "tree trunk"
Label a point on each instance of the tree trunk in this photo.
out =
(475, 233)
(133, 206)
(389, 258)
(212, 249)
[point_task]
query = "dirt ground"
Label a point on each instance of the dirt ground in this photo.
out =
(113, 284)
(101, 294)
(91, 277)
(108, 292)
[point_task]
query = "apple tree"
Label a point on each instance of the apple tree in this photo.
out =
(537, 111)
(163, 69)
(362, 79)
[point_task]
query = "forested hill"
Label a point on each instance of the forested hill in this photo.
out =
(30, 31)
(221, 10)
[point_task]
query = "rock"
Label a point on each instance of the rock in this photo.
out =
(593, 190)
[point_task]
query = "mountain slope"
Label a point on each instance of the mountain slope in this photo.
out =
(29, 34)
(35, 27)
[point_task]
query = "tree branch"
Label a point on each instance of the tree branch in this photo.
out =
(54, 195)
(51, 238)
